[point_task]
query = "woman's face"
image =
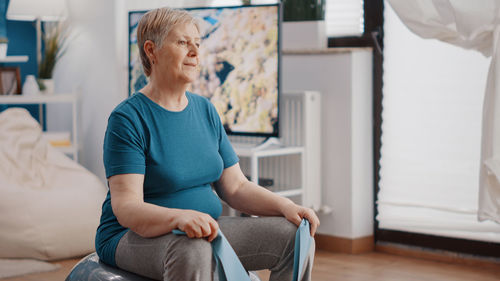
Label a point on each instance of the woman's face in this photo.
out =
(178, 58)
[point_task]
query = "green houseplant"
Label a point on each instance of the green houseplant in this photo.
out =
(54, 40)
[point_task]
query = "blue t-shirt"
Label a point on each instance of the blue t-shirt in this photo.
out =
(179, 153)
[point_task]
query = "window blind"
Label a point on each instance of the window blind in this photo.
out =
(344, 18)
(431, 135)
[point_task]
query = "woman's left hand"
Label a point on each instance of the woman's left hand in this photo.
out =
(295, 213)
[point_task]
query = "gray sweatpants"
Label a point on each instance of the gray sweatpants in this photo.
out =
(260, 243)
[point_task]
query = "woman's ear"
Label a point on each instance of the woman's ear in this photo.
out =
(149, 49)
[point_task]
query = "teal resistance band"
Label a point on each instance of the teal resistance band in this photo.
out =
(230, 268)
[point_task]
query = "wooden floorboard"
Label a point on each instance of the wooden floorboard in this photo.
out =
(380, 266)
(372, 266)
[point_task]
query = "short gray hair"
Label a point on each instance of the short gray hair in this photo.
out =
(155, 26)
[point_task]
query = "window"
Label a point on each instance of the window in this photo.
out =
(343, 17)
(429, 168)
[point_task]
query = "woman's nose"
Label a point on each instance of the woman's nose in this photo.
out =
(193, 50)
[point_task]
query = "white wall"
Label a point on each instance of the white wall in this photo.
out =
(91, 68)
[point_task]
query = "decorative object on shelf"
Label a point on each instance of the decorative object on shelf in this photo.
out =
(10, 81)
(58, 139)
(54, 39)
(304, 24)
(3, 47)
(46, 86)
(30, 86)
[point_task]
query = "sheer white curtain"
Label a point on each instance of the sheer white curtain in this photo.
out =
(431, 136)
(471, 26)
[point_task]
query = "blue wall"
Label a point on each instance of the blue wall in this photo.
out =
(3, 20)
(22, 42)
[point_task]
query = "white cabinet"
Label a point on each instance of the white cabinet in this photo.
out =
(71, 99)
(343, 76)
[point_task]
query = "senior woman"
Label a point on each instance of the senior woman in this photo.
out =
(163, 148)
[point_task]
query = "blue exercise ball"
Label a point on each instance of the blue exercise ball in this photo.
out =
(91, 269)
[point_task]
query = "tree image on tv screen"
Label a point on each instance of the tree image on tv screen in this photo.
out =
(238, 65)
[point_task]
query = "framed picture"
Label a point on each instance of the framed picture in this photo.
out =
(10, 81)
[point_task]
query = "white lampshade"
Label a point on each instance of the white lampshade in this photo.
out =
(30, 10)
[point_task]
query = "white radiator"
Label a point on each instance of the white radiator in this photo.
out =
(300, 125)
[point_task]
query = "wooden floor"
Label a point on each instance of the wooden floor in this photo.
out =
(373, 266)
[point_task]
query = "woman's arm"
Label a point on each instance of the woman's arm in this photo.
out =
(248, 197)
(149, 220)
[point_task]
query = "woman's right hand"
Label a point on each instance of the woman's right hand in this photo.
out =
(197, 224)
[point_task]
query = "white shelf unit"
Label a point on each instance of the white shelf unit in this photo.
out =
(14, 59)
(45, 99)
(254, 156)
(293, 167)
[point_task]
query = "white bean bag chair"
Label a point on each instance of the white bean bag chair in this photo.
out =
(49, 205)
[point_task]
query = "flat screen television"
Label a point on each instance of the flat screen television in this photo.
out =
(240, 64)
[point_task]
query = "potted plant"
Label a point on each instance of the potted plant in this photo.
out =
(54, 40)
(3, 46)
(304, 24)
